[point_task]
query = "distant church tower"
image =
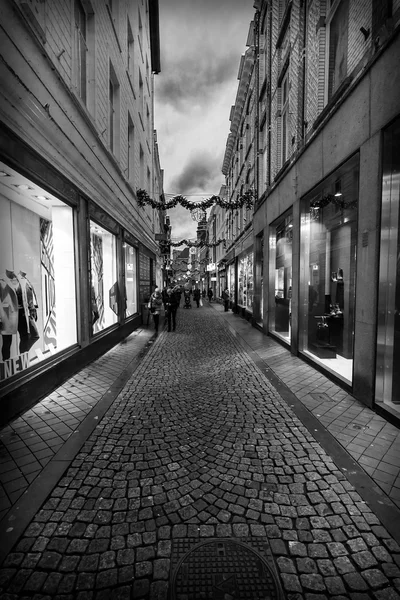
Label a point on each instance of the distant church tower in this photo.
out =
(202, 229)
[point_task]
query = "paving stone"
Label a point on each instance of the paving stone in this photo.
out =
(355, 581)
(364, 559)
(335, 586)
(291, 583)
(312, 582)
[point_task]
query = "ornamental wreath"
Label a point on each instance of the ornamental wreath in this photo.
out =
(245, 200)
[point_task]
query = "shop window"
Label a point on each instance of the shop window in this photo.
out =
(104, 284)
(131, 306)
(245, 281)
(37, 275)
(280, 260)
(337, 22)
(328, 268)
(388, 341)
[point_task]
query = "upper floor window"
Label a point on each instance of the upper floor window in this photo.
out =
(131, 149)
(337, 21)
(80, 50)
(113, 113)
(285, 118)
(130, 49)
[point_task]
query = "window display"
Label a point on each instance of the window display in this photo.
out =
(388, 340)
(37, 274)
(280, 257)
(130, 280)
(245, 281)
(328, 267)
(231, 281)
(104, 285)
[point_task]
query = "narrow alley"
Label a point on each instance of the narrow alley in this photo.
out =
(200, 471)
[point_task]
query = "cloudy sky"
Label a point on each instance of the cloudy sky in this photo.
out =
(201, 45)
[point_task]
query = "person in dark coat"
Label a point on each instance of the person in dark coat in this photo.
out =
(226, 297)
(171, 306)
(155, 305)
(210, 294)
(203, 293)
(196, 296)
(178, 292)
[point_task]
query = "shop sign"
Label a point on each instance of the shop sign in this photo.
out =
(211, 267)
(213, 279)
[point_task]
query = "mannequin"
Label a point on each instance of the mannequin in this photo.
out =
(18, 312)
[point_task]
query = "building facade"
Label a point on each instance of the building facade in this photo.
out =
(78, 254)
(326, 217)
(240, 170)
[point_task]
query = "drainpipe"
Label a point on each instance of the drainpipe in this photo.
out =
(257, 75)
(303, 83)
(269, 92)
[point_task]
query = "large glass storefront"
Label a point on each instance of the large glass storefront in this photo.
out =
(388, 342)
(245, 281)
(104, 284)
(231, 281)
(327, 270)
(280, 260)
(37, 274)
(130, 256)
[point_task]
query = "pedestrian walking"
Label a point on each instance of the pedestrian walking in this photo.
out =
(178, 292)
(171, 306)
(203, 293)
(197, 296)
(155, 304)
(226, 297)
(210, 294)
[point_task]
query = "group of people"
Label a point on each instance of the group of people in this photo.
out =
(171, 297)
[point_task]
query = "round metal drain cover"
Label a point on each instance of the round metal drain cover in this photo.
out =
(224, 570)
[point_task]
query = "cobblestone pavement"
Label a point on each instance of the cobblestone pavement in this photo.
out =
(200, 446)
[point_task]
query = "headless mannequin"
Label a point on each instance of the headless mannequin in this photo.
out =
(18, 302)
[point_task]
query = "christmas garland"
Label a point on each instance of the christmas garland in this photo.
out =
(197, 244)
(246, 199)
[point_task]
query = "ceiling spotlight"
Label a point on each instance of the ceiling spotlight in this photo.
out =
(42, 197)
(4, 174)
(23, 186)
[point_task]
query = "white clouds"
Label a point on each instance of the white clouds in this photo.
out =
(201, 46)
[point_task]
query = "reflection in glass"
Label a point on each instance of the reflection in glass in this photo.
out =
(280, 256)
(130, 280)
(388, 341)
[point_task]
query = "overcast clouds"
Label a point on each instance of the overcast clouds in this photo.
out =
(201, 45)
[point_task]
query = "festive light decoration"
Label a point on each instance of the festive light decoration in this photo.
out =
(197, 244)
(246, 199)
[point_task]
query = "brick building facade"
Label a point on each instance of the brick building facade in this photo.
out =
(325, 223)
(78, 255)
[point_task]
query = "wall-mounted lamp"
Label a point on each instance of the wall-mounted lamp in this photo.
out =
(365, 32)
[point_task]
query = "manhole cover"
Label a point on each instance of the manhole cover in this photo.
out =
(224, 570)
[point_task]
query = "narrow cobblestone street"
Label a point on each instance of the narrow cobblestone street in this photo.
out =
(198, 448)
